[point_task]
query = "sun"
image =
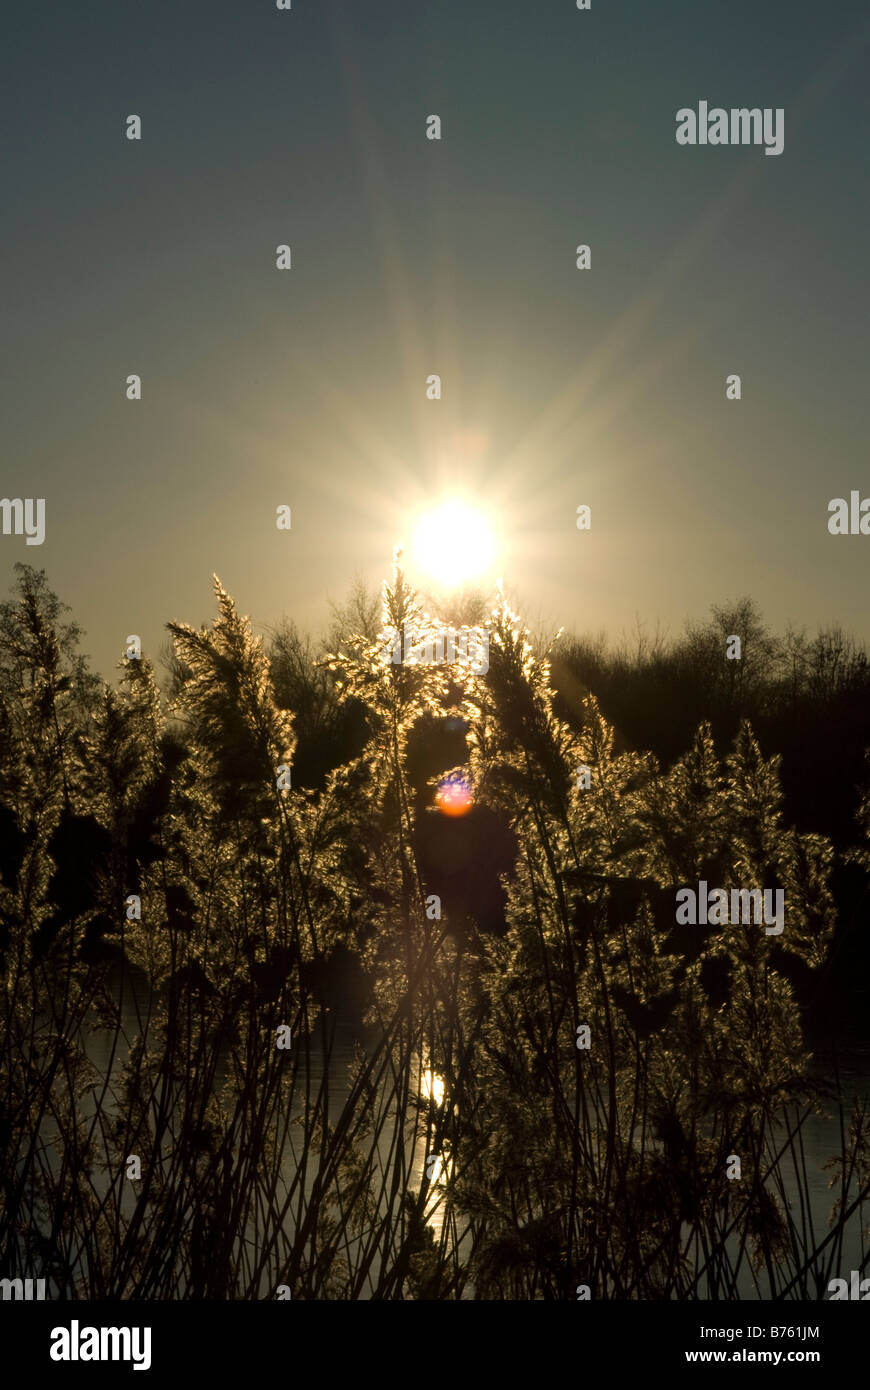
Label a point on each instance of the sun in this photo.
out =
(453, 543)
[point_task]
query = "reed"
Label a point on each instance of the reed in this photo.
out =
(169, 909)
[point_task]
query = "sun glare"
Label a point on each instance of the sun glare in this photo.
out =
(453, 544)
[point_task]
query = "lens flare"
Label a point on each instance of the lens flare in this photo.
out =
(453, 797)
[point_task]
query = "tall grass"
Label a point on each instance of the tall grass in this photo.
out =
(472, 1150)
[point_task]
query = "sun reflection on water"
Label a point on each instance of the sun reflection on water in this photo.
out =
(432, 1087)
(435, 1168)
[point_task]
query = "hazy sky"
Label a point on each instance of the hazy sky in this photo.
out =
(307, 387)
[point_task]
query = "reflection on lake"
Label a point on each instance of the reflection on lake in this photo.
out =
(806, 1172)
